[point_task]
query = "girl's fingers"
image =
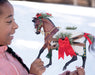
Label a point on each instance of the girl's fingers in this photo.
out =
(80, 70)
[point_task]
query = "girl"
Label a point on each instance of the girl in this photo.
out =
(10, 63)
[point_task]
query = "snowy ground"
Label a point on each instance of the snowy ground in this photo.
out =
(27, 44)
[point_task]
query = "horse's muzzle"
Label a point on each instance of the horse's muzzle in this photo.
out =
(37, 32)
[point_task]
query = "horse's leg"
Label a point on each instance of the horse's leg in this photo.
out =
(84, 60)
(50, 48)
(49, 55)
(74, 58)
(50, 58)
(41, 50)
(84, 56)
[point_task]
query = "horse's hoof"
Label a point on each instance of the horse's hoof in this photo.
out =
(47, 66)
(64, 68)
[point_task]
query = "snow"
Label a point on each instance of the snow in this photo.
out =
(27, 44)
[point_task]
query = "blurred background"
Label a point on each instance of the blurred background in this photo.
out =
(85, 3)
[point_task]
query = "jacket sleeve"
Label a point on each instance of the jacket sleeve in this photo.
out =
(2, 73)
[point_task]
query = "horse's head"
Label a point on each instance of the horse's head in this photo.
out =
(38, 22)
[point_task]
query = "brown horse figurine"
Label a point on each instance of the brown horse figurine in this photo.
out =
(42, 21)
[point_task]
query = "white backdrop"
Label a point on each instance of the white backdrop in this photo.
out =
(27, 44)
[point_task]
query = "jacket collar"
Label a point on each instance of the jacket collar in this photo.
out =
(3, 49)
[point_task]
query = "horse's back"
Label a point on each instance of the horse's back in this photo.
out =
(73, 33)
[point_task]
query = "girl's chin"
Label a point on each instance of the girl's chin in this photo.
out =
(9, 43)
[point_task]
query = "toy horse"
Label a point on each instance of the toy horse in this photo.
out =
(67, 43)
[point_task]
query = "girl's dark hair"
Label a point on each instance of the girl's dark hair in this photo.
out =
(10, 51)
(3, 1)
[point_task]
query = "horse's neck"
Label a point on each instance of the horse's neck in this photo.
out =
(47, 29)
(50, 31)
(48, 26)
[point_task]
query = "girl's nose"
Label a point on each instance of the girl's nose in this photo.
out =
(15, 26)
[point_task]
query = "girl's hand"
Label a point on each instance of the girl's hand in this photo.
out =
(37, 67)
(80, 70)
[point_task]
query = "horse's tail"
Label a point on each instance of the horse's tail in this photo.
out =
(91, 47)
